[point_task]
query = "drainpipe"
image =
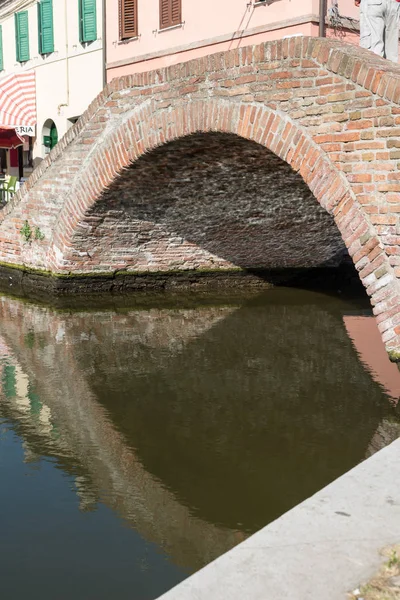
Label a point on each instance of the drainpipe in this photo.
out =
(322, 16)
(104, 36)
(66, 50)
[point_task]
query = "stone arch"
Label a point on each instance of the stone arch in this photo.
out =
(276, 132)
(208, 201)
(145, 130)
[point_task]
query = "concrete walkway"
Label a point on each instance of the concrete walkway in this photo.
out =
(320, 550)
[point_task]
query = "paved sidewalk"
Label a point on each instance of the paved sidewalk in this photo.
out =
(322, 549)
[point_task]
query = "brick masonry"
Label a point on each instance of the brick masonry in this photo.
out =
(126, 188)
(207, 201)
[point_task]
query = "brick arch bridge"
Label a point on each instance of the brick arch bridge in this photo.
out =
(302, 134)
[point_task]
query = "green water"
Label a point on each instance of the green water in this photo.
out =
(139, 442)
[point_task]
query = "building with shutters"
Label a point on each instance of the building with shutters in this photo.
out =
(60, 43)
(149, 34)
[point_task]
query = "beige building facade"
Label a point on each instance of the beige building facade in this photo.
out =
(61, 41)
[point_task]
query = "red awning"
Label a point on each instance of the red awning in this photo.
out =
(9, 138)
(18, 100)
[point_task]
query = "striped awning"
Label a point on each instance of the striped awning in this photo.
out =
(18, 100)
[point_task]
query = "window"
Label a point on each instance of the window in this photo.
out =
(170, 13)
(87, 21)
(50, 135)
(45, 21)
(22, 36)
(1, 49)
(128, 19)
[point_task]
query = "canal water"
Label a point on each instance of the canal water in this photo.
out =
(138, 442)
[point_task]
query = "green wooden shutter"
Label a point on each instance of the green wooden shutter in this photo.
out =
(22, 36)
(1, 49)
(53, 136)
(46, 34)
(87, 17)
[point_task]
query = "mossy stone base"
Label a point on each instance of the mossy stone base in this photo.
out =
(29, 283)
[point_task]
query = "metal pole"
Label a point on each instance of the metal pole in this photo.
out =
(322, 15)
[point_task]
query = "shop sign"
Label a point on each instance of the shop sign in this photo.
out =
(26, 130)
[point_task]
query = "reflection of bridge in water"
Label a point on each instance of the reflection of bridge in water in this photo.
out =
(73, 427)
(178, 451)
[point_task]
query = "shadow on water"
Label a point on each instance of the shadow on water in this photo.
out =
(196, 423)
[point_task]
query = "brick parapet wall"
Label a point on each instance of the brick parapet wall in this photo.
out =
(330, 110)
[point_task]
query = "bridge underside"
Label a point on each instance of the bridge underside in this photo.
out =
(207, 201)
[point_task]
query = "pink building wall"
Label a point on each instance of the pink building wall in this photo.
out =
(209, 26)
(364, 334)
